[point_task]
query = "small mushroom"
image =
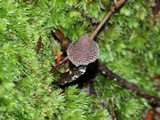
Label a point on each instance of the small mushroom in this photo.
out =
(83, 51)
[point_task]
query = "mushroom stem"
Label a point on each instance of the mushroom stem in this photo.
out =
(116, 6)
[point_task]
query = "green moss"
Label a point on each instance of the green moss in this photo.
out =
(129, 46)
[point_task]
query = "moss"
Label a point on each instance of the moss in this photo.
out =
(128, 46)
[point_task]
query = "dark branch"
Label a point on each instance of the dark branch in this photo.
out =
(116, 6)
(107, 72)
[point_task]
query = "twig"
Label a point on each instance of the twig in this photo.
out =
(113, 109)
(134, 88)
(117, 5)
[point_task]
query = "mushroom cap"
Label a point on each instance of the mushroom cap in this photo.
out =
(83, 51)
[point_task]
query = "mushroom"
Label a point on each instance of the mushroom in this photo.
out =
(83, 51)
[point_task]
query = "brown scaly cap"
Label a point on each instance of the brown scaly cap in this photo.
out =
(83, 51)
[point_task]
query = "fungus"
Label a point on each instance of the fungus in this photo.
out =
(83, 51)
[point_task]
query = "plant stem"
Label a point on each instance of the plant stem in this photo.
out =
(131, 86)
(117, 5)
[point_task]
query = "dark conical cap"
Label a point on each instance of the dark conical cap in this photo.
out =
(83, 51)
